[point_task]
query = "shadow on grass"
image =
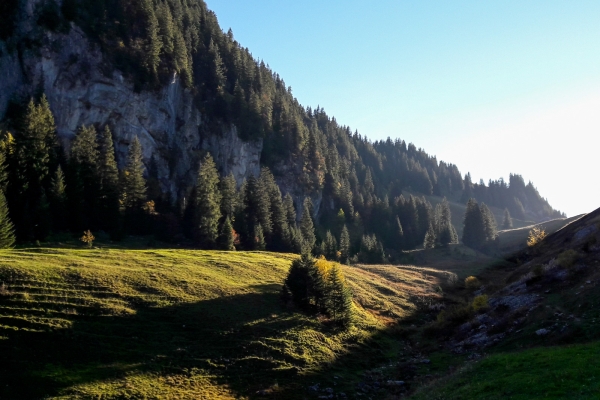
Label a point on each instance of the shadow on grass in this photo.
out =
(224, 337)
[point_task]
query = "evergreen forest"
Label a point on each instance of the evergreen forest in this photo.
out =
(353, 198)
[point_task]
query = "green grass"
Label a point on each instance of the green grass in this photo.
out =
(571, 372)
(129, 324)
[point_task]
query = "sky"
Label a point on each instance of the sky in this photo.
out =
(493, 87)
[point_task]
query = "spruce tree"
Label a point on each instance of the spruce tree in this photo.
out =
(307, 226)
(208, 204)
(400, 234)
(256, 211)
(108, 172)
(290, 210)
(344, 245)
(279, 239)
(133, 189)
(85, 183)
(226, 239)
(331, 247)
(58, 200)
(339, 298)
(229, 197)
(259, 238)
(489, 223)
(430, 238)
(474, 234)
(35, 149)
(7, 229)
(507, 222)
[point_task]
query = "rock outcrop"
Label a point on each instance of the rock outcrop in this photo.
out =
(83, 89)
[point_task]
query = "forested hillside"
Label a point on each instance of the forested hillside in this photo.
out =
(357, 185)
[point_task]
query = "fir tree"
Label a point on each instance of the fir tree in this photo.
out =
(133, 190)
(307, 226)
(208, 204)
(507, 222)
(7, 230)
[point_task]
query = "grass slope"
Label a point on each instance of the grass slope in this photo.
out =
(569, 372)
(180, 324)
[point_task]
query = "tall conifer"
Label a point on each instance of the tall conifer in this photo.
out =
(307, 226)
(7, 230)
(208, 204)
(133, 190)
(507, 221)
(344, 245)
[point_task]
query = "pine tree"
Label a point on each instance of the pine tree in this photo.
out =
(133, 190)
(7, 230)
(226, 239)
(256, 211)
(208, 204)
(307, 226)
(507, 222)
(344, 245)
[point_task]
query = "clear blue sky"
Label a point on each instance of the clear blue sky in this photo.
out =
(516, 82)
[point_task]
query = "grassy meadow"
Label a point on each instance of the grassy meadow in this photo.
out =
(178, 324)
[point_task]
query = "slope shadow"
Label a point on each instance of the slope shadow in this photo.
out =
(224, 336)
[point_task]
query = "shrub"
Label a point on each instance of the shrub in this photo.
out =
(472, 283)
(538, 270)
(452, 278)
(88, 238)
(456, 315)
(480, 302)
(536, 235)
(566, 259)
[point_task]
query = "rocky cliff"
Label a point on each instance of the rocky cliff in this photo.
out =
(83, 89)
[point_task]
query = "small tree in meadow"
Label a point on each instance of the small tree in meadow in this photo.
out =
(88, 238)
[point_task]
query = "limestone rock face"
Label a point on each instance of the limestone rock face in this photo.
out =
(83, 90)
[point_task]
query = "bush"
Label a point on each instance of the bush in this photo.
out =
(536, 235)
(480, 302)
(566, 259)
(538, 270)
(472, 283)
(456, 315)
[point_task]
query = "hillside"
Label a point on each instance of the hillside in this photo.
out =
(184, 324)
(165, 73)
(539, 327)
